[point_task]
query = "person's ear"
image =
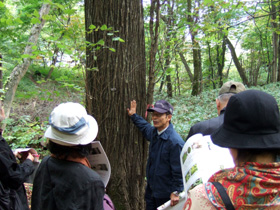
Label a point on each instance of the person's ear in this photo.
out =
(169, 116)
(218, 103)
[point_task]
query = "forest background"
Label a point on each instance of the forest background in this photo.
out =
(58, 51)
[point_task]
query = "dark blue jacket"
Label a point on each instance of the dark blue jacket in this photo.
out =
(163, 172)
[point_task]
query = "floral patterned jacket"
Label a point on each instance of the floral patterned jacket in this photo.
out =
(250, 186)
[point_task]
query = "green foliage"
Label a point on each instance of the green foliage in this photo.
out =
(24, 132)
(189, 110)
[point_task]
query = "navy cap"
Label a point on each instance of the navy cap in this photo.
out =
(161, 106)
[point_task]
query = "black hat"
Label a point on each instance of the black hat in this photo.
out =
(162, 106)
(251, 121)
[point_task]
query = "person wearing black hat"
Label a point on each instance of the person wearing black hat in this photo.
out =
(251, 131)
(164, 175)
(208, 126)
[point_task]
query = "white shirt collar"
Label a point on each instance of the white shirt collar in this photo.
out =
(160, 132)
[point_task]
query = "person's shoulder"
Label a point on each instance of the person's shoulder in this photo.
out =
(175, 136)
(207, 126)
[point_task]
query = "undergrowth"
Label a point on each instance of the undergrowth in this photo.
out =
(36, 98)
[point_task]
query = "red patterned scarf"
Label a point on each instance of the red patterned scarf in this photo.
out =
(250, 186)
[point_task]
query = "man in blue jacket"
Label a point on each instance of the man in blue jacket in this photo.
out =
(164, 176)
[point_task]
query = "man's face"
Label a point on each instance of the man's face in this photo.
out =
(161, 120)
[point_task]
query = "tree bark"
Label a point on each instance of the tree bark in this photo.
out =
(154, 33)
(240, 69)
(118, 77)
(1, 72)
(186, 65)
(275, 37)
(197, 75)
(20, 70)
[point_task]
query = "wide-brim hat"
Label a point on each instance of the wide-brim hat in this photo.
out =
(251, 121)
(71, 125)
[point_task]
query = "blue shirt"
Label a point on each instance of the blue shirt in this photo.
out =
(163, 171)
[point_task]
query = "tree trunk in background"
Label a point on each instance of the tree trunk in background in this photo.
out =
(197, 72)
(1, 72)
(240, 70)
(169, 26)
(221, 51)
(20, 70)
(275, 37)
(278, 70)
(186, 65)
(154, 32)
(119, 78)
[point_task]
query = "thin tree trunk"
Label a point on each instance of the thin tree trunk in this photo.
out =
(186, 65)
(275, 37)
(20, 70)
(1, 72)
(240, 70)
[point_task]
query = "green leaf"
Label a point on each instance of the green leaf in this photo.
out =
(25, 56)
(35, 21)
(112, 49)
(101, 42)
(2, 4)
(103, 27)
(91, 27)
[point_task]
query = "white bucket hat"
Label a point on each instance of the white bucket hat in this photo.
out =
(71, 125)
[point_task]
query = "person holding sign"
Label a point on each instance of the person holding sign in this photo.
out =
(164, 176)
(251, 131)
(65, 180)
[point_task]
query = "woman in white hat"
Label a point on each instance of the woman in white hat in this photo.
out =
(65, 180)
(251, 130)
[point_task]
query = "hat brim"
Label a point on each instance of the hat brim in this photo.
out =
(226, 138)
(159, 110)
(70, 139)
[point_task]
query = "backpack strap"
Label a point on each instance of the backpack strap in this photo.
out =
(224, 195)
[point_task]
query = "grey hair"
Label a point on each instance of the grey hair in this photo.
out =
(225, 97)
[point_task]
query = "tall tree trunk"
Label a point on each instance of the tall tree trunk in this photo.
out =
(278, 70)
(154, 33)
(186, 65)
(118, 78)
(169, 26)
(275, 37)
(240, 70)
(197, 72)
(221, 51)
(1, 72)
(20, 70)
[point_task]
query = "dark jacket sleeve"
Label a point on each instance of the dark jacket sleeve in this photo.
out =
(12, 174)
(145, 127)
(177, 181)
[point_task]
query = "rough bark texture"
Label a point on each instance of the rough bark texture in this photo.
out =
(119, 78)
(20, 70)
